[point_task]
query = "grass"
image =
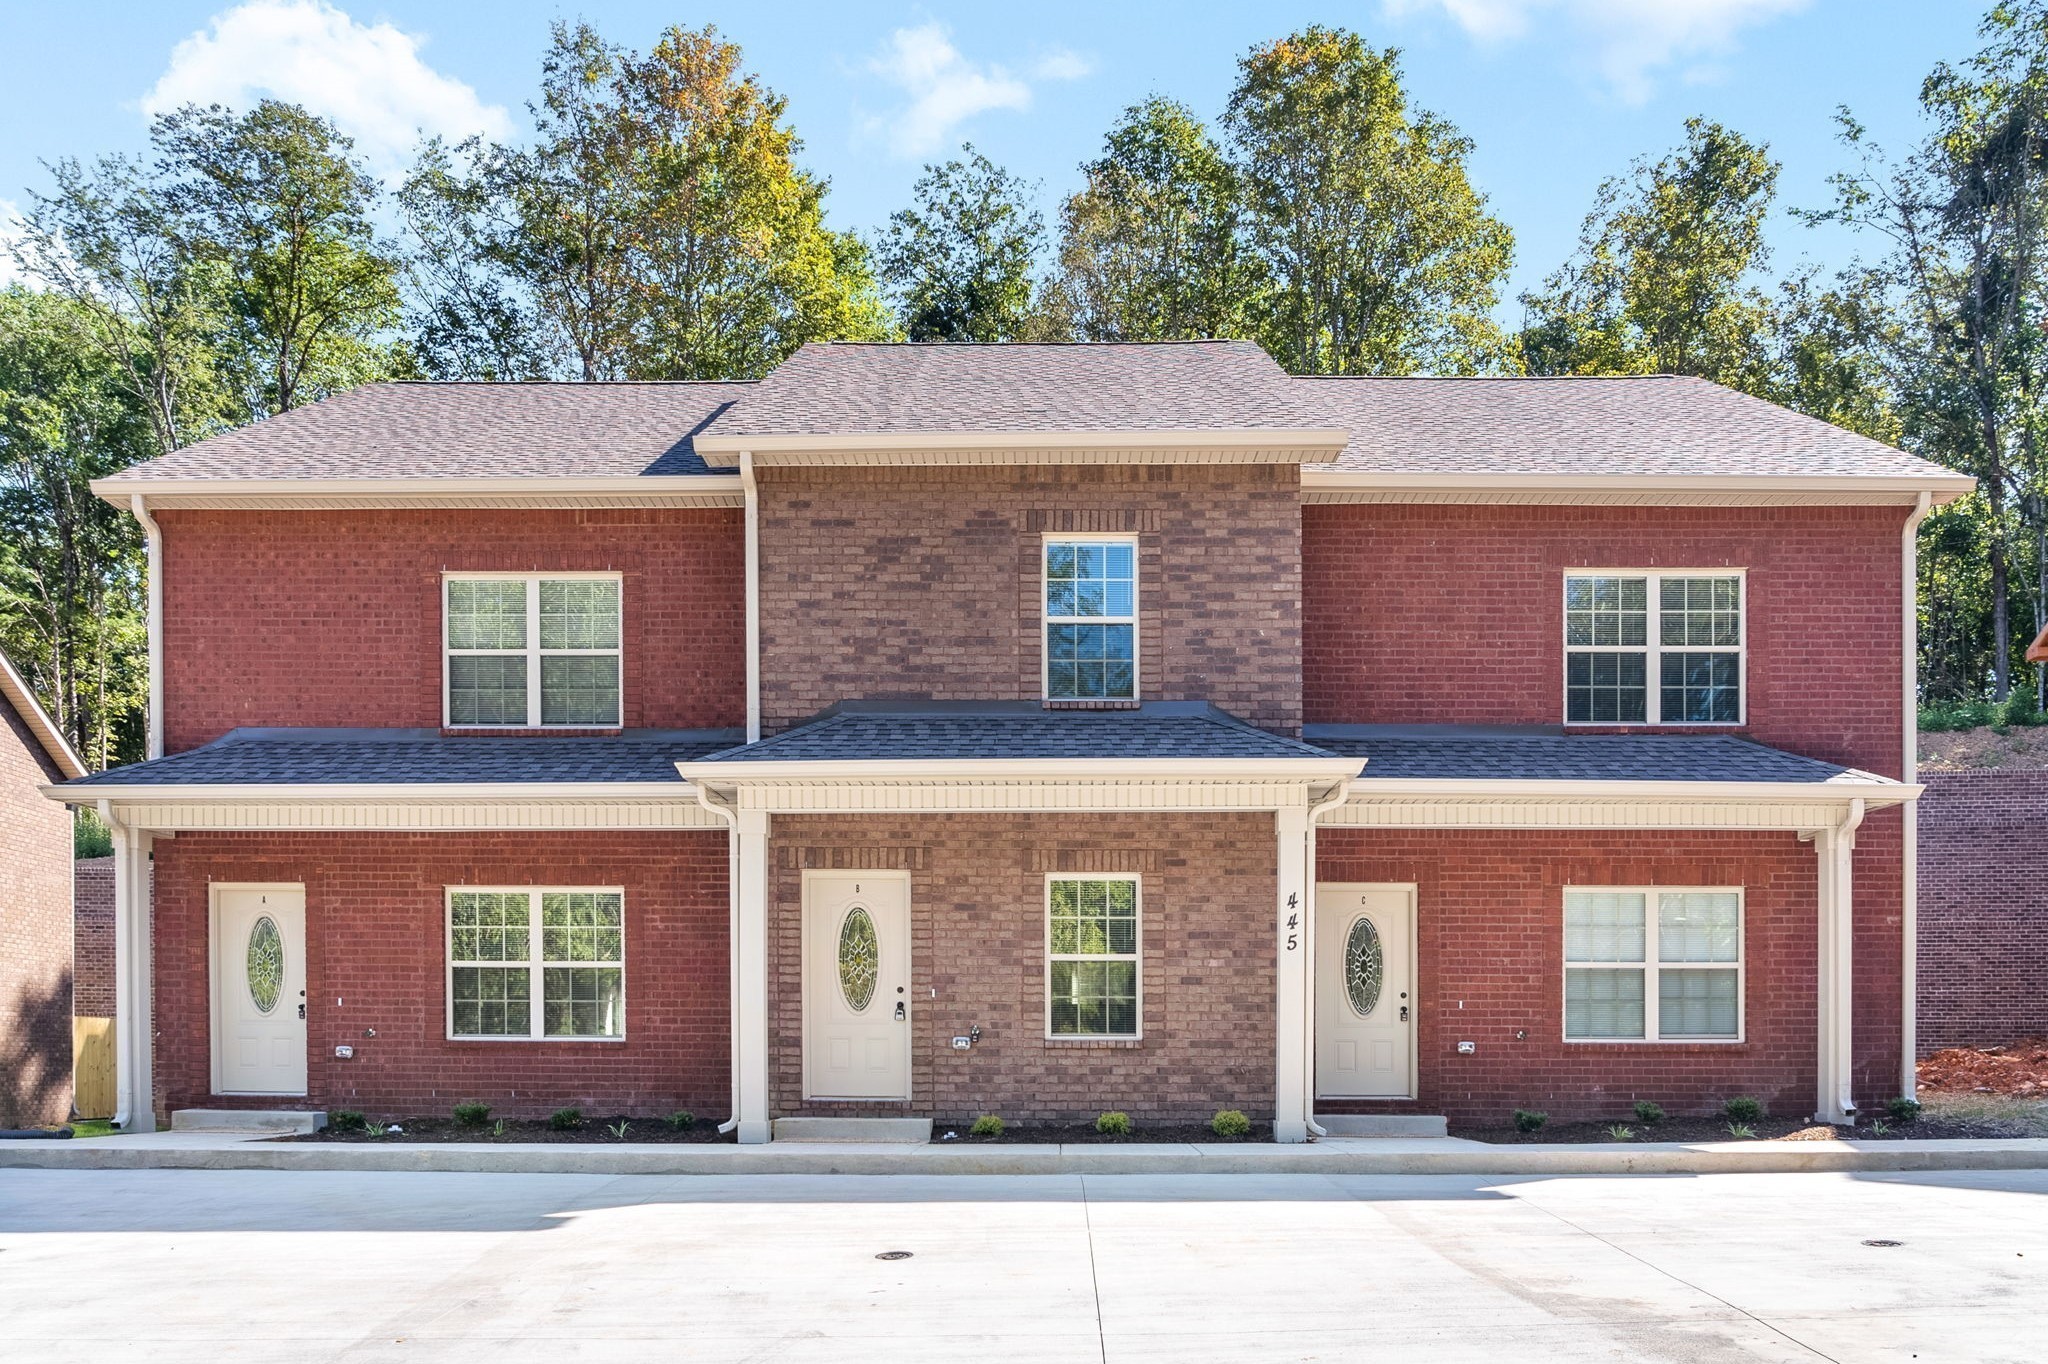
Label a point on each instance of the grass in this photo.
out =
(92, 1127)
(2028, 1116)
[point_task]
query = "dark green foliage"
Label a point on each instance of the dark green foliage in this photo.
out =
(987, 1125)
(1648, 1113)
(1902, 1109)
(1230, 1124)
(681, 1120)
(347, 1120)
(1527, 1120)
(90, 837)
(566, 1119)
(472, 1114)
(1114, 1124)
(1743, 1110)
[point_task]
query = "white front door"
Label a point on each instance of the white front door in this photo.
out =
(259, 990)
(856, 985)
(1365, 977)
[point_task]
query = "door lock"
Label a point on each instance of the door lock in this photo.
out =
(302, 1012)
(1404, 1013)
(899, 1011)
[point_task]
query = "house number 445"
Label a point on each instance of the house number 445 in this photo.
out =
(1293, 922)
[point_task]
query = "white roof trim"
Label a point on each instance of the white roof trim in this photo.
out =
(371, 793)
(1864, 786)
(1325, 485)
(59, 749)
(1305, 444)
(1014, 770)
(638, 490)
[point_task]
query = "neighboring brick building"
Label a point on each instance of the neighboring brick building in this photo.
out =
(932, 730)
(35, 912)
(92, 982)
(1983, 908)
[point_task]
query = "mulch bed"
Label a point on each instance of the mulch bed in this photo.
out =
(2019, 1069)
(1716, 1129)
(1079, 1134)
(523, 1131)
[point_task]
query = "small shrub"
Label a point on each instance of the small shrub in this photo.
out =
(617, 1129)
(498, 1128)
(1743, 1110)
(987, 1125)
(347, 1120)
(2019, 708)
(1526, 1121)
(472, 1115)
(1114, 1124)
(566, 1119)
(682, 1120)
(1741, 1131)
(1903, 1109)
(1880, 1128)
(1230, 1124)
(1619, 1132)
(1647, 1113)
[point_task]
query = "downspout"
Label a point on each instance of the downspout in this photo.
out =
(732, 959)
(1909, 898)
(1841, 852)
(153, 541)
(1338, 795)
(753, 595)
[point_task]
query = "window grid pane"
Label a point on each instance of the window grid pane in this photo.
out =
(486, 690)
(1090, 633)
(579, 613)
(579, 689)
(1093, 971)
(1604, 926)
(1606, 688)
(491, 1001)
(486, 613)
(1603, 1003)
(1696, 1002)
(1699, 926)
(1701, 688)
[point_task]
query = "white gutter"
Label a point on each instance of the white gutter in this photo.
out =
(153, 539)
(1338, 795)
(732, 958)
(116, 487)
(753, 497)
(341, 792)
(1909, 763)
(1874, 789)
(1938, 487)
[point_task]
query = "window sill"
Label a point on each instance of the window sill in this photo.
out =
(1713, 1043)
(1121, 703)
(1099, 1043)
(530, 731)
(537, 1041)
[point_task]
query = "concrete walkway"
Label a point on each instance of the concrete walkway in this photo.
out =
(209, 1267)
(1360, 1156)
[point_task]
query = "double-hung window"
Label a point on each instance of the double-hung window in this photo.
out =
(1651, 964)
(1653, 648)
(532, 651)
(536, 963)
(1092, 965)
(1091, 620)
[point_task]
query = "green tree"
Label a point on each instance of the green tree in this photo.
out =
(1152, 246)
(1382, 255)
(1664, 278)
(70, 564)
(960, 262)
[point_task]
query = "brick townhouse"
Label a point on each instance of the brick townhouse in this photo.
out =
(35, 911)
(925, 731)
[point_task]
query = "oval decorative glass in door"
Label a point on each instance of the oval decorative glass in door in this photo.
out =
(859, 958)
(1364, 966)
(266, 964)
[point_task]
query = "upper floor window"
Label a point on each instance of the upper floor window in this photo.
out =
(1091, 620)
(529, 651)
(1653, 648)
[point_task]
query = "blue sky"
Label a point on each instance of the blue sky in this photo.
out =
(1556, 94)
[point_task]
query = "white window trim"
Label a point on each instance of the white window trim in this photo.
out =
(1653, 647)
(535, 962)
(533, 652)
(1650, 967)
(1046, 620)
(1136, 957)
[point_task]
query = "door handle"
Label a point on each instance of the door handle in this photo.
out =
(899, 1011)
(302, 1012)
(1404, 1013)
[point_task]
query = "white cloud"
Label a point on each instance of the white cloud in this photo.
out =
(945, 89)
(1630, 40)
(368, 79)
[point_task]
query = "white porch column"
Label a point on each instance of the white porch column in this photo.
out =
(1835, 849)
(750, 954)
(134, 1049)
(1291, 993)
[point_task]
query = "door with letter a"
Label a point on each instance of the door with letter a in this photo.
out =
(857, 985)
(259, 990)
(1365, 983)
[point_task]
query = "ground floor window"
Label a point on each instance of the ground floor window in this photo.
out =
(1652, 964)
(536, 963)
(1092, 956)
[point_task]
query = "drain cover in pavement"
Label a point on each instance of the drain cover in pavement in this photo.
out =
(1882, 1242)
(894, 1255)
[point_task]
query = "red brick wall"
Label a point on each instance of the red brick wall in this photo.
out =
(1983, 908)
(1455, 614)
(375, 921)
(978, 937)
(927, 582)
(334, 618)
(35, 934)
(92, 936)
(1490, 922)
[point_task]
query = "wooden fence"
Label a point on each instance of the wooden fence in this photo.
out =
(92, 1067)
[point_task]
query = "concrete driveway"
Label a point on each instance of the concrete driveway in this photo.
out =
(253, 1265)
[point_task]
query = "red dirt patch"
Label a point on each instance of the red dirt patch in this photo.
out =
(2019, 1068)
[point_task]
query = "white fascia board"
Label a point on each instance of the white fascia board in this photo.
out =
(170, 491)
(366, 793)
(1309, 441)
(15, 688)
(1872, 790)
(1014, 770)
(1906, 488)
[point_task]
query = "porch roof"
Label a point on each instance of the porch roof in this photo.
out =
(1545, 754)
(424, 757)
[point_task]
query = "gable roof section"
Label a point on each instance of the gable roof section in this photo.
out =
(15, 693)
(1453, 753)
(900, 397)
(1500, 433)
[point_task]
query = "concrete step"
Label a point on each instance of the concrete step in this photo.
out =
(911, 1131)
(1383, 1124)
(247, 1120)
